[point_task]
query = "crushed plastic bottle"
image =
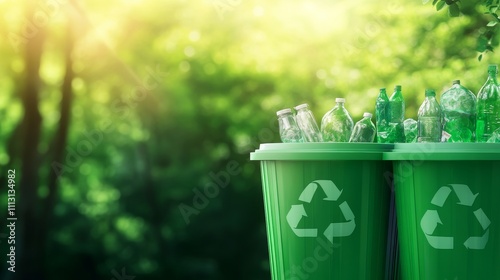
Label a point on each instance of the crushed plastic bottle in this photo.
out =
(364, 130)
(429, 119)
(411, 130)
(459, 114)
(307, 124)
(289, 130)
(337, 124)
(495, 137)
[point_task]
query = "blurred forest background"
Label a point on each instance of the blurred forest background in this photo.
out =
(121, 117)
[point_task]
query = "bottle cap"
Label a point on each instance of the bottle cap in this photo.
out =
(284, 111)
(340, 100)
(366, 114)
(382, 89)
(298, 107)
(492, 67)
(430, 92)
(398, 87)
(456, 82)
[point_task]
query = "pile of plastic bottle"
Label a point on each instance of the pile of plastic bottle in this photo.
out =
(461, 117)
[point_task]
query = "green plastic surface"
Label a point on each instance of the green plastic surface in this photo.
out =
(444, 151)
(320, 151)
(326, 212)
(447, 205)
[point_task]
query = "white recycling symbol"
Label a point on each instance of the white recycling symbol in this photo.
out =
(431, 219)
(332, 194)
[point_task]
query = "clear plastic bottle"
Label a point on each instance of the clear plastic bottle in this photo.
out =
(289, 130)
(396, 116)
(337, 124)
(364, 130)
(459, 114)
(488, 106)
(429, 119)
(381, 115)
(307, 124)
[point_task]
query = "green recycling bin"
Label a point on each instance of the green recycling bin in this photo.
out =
(327, 208)
(448, 210)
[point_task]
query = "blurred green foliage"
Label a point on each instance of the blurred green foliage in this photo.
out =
(487, 37)
(216, 72)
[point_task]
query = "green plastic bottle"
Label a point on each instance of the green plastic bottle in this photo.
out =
(488, 106)
(337, 124)
(411, 130)
(396, 133)
(429, 119)
(364, 130)
(381, 115)
(459, 114)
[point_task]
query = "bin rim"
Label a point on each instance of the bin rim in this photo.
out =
(320, 151)
(444, 151)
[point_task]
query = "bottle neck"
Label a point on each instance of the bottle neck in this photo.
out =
(340, 104)
(492, 76)
(397, 93)
(286, 121)
(285, 116)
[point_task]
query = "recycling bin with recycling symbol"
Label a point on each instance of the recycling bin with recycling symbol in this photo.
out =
(448, 205)
(327, 208)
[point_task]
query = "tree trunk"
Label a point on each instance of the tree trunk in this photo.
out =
(26, 245)
(59, 142)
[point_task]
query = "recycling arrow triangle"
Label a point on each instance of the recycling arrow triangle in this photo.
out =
(332, 193)
(431, 219)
